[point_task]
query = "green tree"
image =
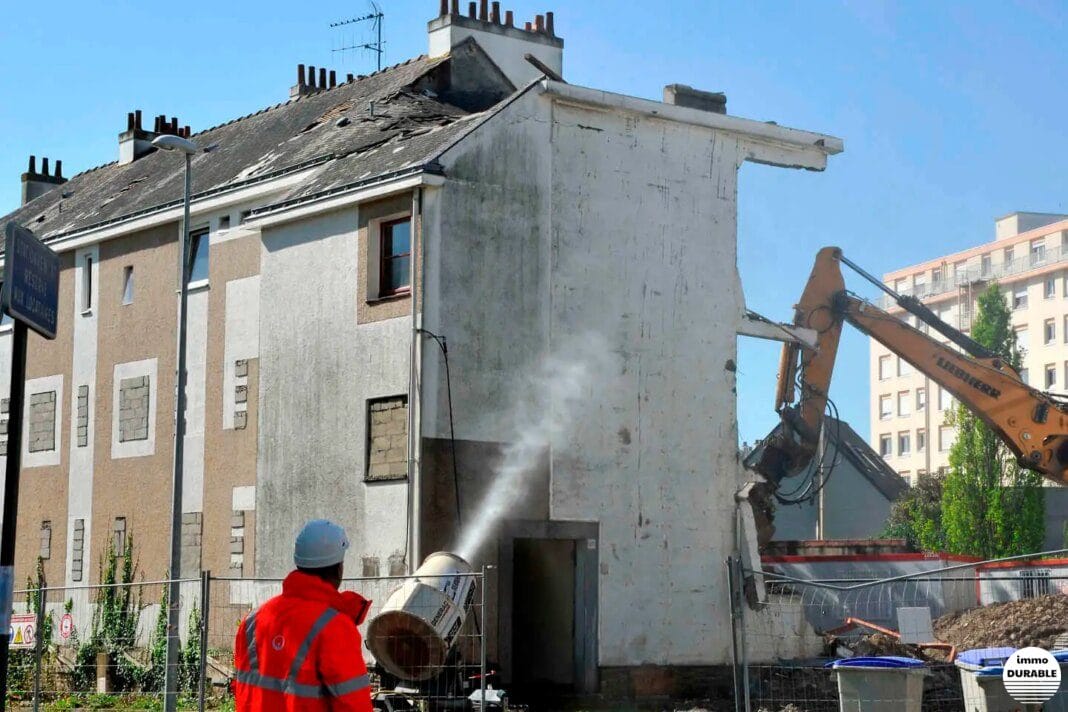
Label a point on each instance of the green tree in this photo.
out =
(991, 506)
(916, 516)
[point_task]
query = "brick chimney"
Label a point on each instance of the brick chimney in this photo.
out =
(683, 95)
(499, 37)
(35, 184)
(135, 141)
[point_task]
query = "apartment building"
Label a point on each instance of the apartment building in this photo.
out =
(1029, 259)
(381, 263)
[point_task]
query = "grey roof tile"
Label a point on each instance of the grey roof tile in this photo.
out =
(405, 130)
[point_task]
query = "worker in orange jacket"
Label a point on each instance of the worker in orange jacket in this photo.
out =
(302, 650)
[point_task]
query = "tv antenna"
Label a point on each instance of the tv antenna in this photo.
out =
(375, 18)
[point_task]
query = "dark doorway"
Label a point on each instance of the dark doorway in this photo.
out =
(547, 634)
(543, 619)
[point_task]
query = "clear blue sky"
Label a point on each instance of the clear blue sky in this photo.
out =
(952, 113)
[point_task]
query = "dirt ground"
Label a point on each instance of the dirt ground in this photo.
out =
(1035, 621)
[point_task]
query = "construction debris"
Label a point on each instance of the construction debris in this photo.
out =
(1033, 621)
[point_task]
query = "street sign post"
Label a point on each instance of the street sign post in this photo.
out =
(30, 295)
(31, 281)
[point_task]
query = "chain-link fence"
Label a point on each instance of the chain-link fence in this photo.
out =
(105, 647)
(788, 635)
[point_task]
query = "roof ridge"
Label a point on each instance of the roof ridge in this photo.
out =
(94, 168)
(357, 79)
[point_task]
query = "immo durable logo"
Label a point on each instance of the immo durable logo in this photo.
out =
(1031, 675)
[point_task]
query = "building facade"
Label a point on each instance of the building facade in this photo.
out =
(1029, 260)
(409, 288)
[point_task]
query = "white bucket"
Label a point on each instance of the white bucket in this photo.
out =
(421, 620)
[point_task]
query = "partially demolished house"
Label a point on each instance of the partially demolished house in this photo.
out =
(380, 266)
(854, 502)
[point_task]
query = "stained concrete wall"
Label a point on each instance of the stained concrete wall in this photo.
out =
(318, 368)
(619, 229)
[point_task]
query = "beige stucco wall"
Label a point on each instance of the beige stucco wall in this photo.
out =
(137, 488)
(229, 454)
(43, 490)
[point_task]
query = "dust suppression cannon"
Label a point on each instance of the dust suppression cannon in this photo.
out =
(420, 622)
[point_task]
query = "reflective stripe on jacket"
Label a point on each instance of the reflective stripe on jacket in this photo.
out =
(302, 651)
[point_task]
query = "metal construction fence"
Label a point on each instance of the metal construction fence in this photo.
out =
(104, 647)
(786, 640)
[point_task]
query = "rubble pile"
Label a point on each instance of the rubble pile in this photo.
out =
(870, 645)
(1034, 621)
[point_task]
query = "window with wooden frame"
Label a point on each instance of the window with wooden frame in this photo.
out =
(394, 256)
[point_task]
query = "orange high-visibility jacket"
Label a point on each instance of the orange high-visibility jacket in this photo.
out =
(301, 651)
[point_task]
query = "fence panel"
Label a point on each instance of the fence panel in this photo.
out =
(103, 646)
(789, 640)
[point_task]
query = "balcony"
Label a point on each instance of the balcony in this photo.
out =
(973, 274)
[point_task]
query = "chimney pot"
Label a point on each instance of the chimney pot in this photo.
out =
(33, 164)
(539, 23)
(527, 26)
(483, 10)
(300, 75)
(333, 79)
(322, 77)
(59, 169)
(509, 18)
(444, 8)
(495, 12)
(471, 9)
(44, 166)
(311, 76)
(549, 24)
(350, 78)
(137, 119)
(174, 125)
(129, 121)
(188, 132)
(454, 7)
(155, 125)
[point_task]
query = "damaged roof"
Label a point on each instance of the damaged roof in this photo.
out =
(376, 125)
(854, 449)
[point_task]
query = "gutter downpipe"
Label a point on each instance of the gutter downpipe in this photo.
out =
(414, 389)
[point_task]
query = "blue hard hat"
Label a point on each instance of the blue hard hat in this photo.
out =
(321, 543)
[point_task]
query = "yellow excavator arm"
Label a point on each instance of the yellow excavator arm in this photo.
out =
(1031, 423)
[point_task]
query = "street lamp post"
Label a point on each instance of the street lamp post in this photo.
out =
(170, 700)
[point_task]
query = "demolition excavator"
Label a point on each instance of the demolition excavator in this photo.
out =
(1033, 424)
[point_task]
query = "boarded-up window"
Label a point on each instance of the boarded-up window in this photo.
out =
(78, 550)
(42, 429)
(133, 408)
(118, 536)
(83, 416)
(387, 438)
(46, 540)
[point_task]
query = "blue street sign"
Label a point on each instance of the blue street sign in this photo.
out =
(31, 281)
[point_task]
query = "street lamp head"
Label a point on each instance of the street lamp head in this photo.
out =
(169, 142)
